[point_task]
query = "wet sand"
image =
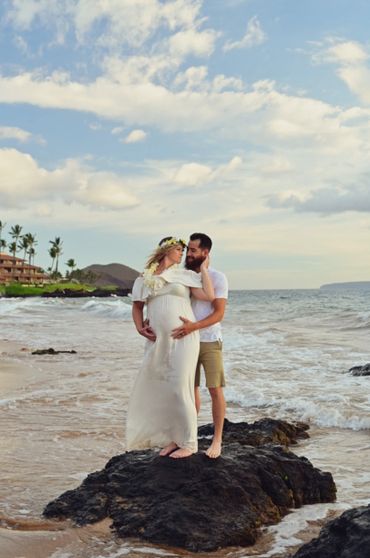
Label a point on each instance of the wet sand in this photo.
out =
(35, 538)
(34, 481)
(42, 539)
(13, 374)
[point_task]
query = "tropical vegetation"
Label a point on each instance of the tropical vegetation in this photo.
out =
(26, 245)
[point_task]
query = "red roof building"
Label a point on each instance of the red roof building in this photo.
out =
(16, 270)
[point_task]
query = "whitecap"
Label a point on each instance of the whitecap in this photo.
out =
(21, 305)
(115, 308)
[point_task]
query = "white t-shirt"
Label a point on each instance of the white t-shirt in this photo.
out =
(203, 308)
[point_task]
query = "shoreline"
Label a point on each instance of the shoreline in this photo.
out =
(71, 293)
(31, 538)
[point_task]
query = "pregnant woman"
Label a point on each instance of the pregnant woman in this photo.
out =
(161, 410)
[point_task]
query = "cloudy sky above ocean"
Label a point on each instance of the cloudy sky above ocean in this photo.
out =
(122, 121)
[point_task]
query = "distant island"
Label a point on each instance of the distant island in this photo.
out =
(114, 274)
(359, 285)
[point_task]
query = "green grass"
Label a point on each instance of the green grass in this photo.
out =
(71, 286)
(15, 289)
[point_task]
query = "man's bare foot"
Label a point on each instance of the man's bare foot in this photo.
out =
(168, 449)
(214, 449)
(181, 452)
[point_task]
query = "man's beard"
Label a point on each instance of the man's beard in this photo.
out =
(194, 264)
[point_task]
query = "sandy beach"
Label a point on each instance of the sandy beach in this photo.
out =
(36, 537)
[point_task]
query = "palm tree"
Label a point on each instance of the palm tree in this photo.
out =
(31, 246)
(2, 226)
(13, 248)
(2, 243)
(31, 254)
(53, 255)
(15, 233)
(72, 264)
(57, 245)
(24, 245)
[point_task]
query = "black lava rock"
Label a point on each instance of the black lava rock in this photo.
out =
(198, 503)
(74, 293)
(52, 351)
(347, 536)
(363, 370)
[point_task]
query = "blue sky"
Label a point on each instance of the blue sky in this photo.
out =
(127, 120)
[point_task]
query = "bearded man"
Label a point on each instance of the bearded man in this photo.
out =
(208, 316)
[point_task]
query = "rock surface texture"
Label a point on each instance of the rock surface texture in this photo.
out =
(347, 536)
(72, 293)
(52, 351)
(360, 370)
(198, 503)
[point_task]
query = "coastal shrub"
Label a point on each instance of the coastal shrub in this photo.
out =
(16, 289)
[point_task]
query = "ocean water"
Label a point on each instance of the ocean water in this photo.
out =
(287, 355)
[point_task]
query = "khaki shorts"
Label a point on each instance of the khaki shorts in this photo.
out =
(210, 357)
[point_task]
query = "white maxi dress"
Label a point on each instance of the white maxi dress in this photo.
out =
(162, 407)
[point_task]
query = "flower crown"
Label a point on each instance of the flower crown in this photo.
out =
(172, 242)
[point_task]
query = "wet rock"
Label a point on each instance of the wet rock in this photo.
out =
(363, 370)
(52, 351)
(261, 432)
(197, 503)
(72, 293)
(347, 536)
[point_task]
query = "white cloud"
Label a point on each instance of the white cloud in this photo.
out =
(351, 59)
(105, 191)
(192, 174)
(24, 12)
(327, 201)
(196, 174)
(192, 79)
(348, 52)
(25, 182)
(230, 203)
(144, 103)
(117, 130)
(9, 132)
(22, 45)
(254, 36)
(139, 69)
(195, 78)
(112, 23)
(192, 42)
(135, 136)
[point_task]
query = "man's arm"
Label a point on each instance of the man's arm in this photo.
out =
(138, 316)
(219, 305)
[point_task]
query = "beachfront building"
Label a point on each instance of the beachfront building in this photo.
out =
(16, 270)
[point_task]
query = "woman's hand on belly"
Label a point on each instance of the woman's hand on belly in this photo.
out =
(186, 328)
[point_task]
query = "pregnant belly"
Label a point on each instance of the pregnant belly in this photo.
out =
(164, 313)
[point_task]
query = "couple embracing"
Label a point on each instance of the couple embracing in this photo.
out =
(184, 308)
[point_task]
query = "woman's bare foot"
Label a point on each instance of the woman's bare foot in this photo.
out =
(214, 449)
(181, 452)
(168, 449)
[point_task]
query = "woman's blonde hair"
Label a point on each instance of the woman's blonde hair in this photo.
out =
(164, 247)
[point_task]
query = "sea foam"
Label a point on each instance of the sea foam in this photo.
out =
(116, 308)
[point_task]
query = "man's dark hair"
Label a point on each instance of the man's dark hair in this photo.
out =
(204, 241)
